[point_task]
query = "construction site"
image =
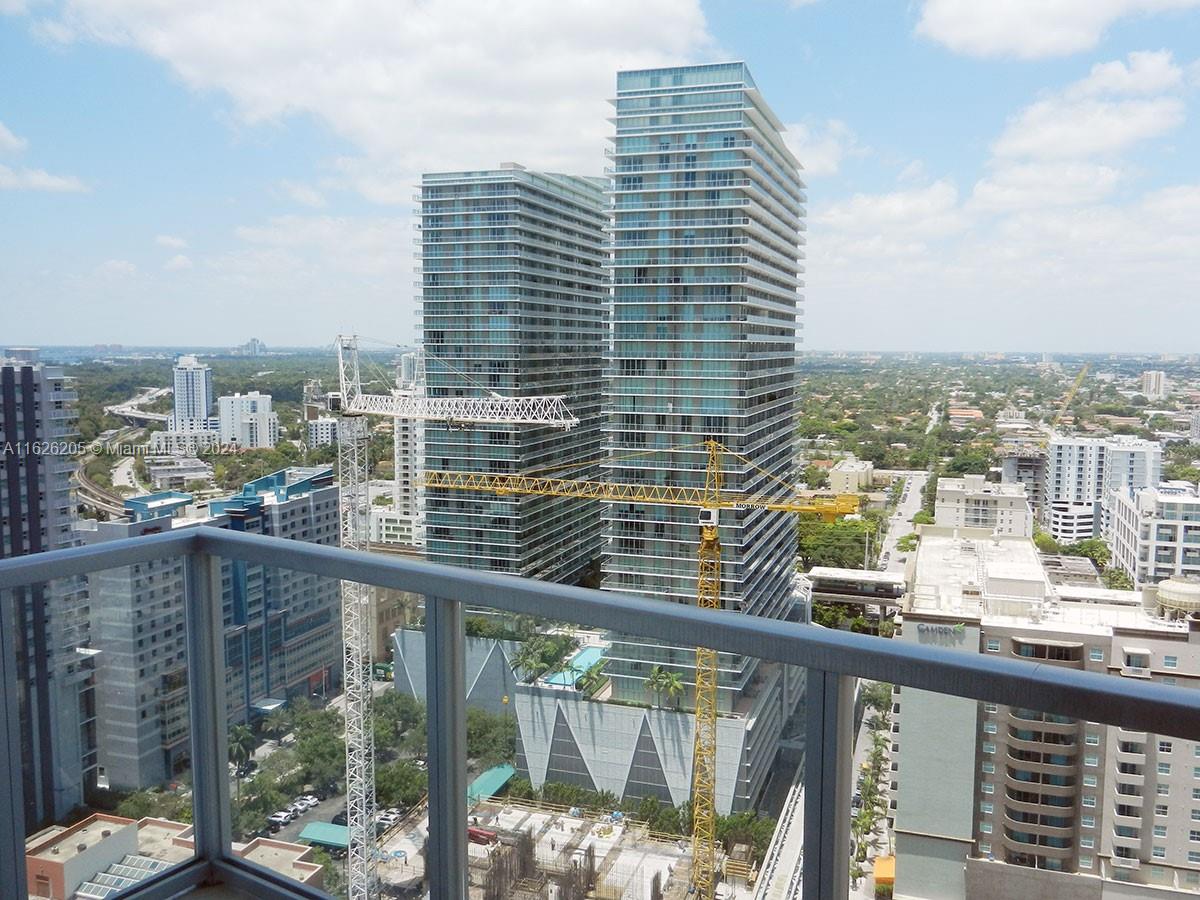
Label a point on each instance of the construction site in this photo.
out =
(521, 850)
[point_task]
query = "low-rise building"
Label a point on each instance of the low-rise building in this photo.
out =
(974, 502)
(851, 475)
(174, 473)
(995, 801)
(105, 854)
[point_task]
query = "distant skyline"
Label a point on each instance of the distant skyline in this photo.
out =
(981, 175)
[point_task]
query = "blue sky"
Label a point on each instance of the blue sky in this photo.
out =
(981, 175)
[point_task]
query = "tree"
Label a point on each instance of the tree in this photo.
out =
(673, 686)
(1094, 549)
(655, 683)
(1045, 543)
(491, 738)
(241, 748)
(922, 518)
(1117, 579)
(907, 543)
(592, 679)
(277, 723)
(877, 695)
(815, 477)
(400, 784)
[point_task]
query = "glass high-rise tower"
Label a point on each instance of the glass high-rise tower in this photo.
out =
(706, 218)
(513, 289)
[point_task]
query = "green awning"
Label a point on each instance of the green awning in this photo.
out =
(326, 834)
(489, 783)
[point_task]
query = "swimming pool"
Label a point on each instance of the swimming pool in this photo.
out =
(576, 666)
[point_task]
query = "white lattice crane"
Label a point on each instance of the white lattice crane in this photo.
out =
(353, 406)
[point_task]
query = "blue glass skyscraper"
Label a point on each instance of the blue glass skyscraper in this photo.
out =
(706, 219)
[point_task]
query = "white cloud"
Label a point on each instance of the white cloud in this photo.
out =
(822, 149)
(359, 246)
(13, 7)
(170, 240)
(1146, 73)
(39, 180)
(304, 194)
(1043, 184)
(922, 212)
(1030, 29)
(177, 263)
(1060, 129)
(116, 268)
(9, 142)
(1094, 116)
(415, 86)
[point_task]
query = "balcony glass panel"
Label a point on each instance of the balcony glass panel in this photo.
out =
(104, 728)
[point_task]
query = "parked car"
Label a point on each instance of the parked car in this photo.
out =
(340, 818)
(279, 819)
(305, 803)
(313, 799)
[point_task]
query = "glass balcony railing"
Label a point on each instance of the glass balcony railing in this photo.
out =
(188, 818)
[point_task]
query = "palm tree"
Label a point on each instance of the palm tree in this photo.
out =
(241, 747)
(277, 723)
(593, 678)
(656, 683)
(672, 686)
(528, 659)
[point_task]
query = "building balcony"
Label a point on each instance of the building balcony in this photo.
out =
(833, 659)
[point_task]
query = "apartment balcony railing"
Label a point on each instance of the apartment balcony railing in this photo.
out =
(833, 660)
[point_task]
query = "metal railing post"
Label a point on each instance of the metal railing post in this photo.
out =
(210, 743)
(445, 697)
(828, 774)
(12, 778)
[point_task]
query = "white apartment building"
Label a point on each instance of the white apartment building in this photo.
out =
(193, 396)
(1154, 532)
(994, 801)
(322, 431)
(1194, 430)
(1154, 384)
(974, 502)
(851, 475)
(1081, 471)
(247, 420)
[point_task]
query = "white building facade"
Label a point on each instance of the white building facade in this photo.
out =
(193, 396)
(247, 421)
(1154, 384)
(974, 502)
(1081, 471)
(1154, 533)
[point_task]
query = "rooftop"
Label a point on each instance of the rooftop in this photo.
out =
(999, 580)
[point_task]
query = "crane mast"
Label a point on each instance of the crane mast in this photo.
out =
(353, 407)
(710, 500)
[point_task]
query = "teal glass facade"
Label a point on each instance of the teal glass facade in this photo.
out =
(513, 289)
(706, 217)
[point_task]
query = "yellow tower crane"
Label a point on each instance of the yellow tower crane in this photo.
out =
(710, 499)
(1071, 392)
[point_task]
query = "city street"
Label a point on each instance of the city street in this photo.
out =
(900, 522)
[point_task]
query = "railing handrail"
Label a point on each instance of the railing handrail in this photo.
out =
(1142, 705)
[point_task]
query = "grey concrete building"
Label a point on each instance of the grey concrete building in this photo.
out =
(38, 441)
